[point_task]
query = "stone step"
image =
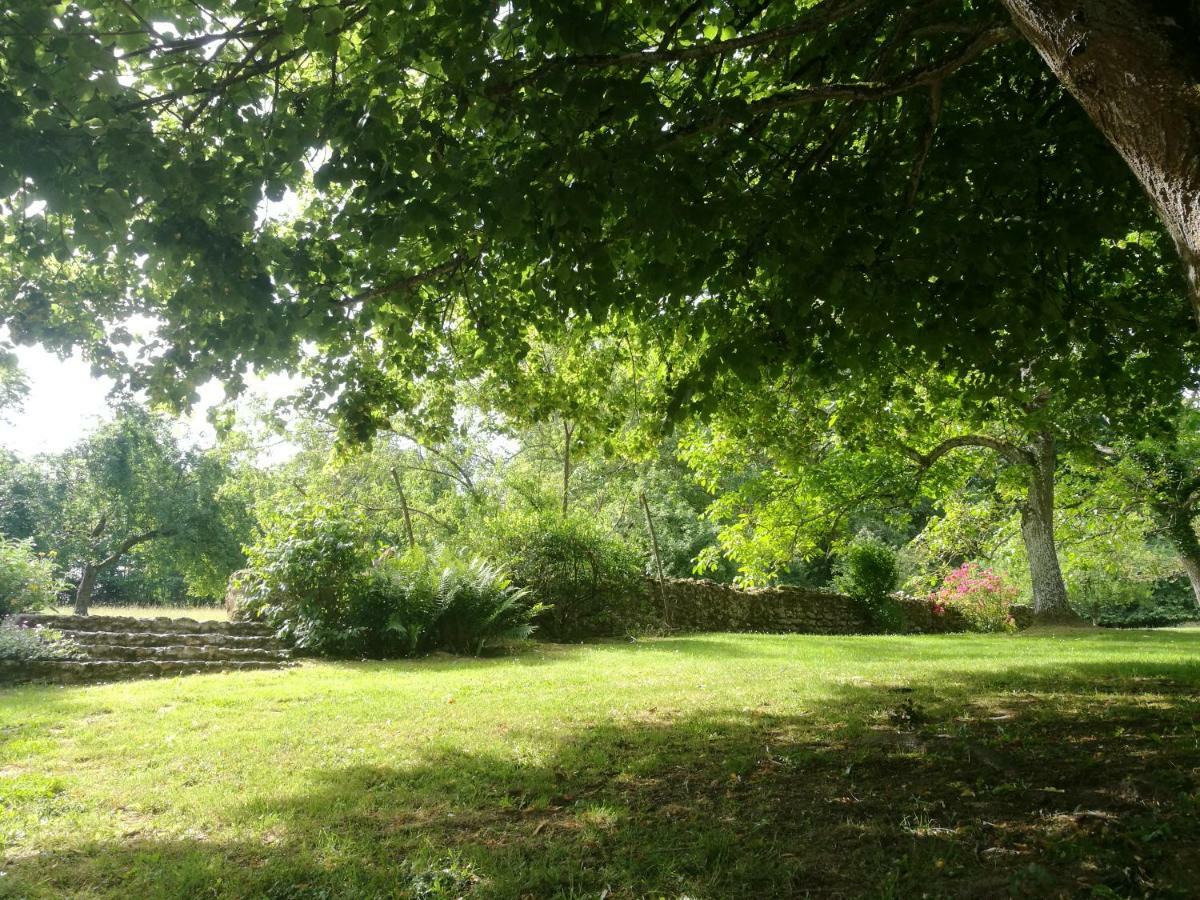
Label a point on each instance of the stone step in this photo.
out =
(180, 652)
(177, 639)
(158, 625)
(86, 672)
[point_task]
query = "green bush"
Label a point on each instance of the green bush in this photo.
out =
(589, 581)
(318, 582)
(27, 579)
(477, 603)
(868, 570)
(422, 601)
(307, 576)
(1117, 604)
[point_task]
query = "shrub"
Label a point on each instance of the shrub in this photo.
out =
(1115, 602)
(307, 577)
(435, 601)
(868, 570)
(477, 603)
(314, 580)
(982, 596)
(27, 579)
(589, 582)
(26, 644)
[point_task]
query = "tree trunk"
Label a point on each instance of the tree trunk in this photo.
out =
(87, 583)
(658, 566)
(1191, 565)
(408, 529)
(1183, 538)
(83, 594)
(1134, 66)
(1037, 530)
(566, 469)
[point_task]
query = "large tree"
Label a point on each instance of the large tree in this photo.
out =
(809, 180)
(1133, 65)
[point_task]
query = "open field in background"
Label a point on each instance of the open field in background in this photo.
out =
(199, 613)
(707, 766)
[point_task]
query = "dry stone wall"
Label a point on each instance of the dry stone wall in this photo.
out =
(690, 604)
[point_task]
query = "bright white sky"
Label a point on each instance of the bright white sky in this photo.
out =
(65, 401)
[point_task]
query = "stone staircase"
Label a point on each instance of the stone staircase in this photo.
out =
(110, 648)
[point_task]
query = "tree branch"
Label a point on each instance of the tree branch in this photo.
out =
(918, 169)
(860, 91)
(132, 541)
(817, 18)
(680, 21)
(1014, 454)
(409, 282)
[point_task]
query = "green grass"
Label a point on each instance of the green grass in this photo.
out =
(199, 613)
(707, 766)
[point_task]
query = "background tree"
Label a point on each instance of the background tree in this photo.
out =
(1160, 472)
(13, 384)
(129, 484)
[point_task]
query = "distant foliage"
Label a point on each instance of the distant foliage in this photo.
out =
(590, 581)
(1168, 601)
(27, 578)
(23, 644)
(868, 570)
(983, 597)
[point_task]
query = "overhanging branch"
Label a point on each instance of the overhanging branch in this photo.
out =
(860, 91)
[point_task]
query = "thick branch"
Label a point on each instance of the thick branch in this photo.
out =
(865, 91)
(1014, 454)
(132, 541)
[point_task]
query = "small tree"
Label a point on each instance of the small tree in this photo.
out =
(129, 484)
(867, 570)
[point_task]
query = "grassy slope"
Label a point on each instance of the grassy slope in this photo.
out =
(709, 766)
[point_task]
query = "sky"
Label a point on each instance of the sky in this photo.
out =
(65, 401)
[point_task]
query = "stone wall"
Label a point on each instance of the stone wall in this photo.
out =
(699, 605)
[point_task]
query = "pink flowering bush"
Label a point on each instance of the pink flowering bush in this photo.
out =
(982, 596)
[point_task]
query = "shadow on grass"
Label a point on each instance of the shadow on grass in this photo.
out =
(1024, 782)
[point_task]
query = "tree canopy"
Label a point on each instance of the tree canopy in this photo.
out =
(354, 182)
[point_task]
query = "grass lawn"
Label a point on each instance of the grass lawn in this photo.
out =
(199, 613)
(704, 767)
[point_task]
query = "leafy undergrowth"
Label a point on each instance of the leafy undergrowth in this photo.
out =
(1055, 765)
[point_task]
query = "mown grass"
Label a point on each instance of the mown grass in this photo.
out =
(706, 766)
